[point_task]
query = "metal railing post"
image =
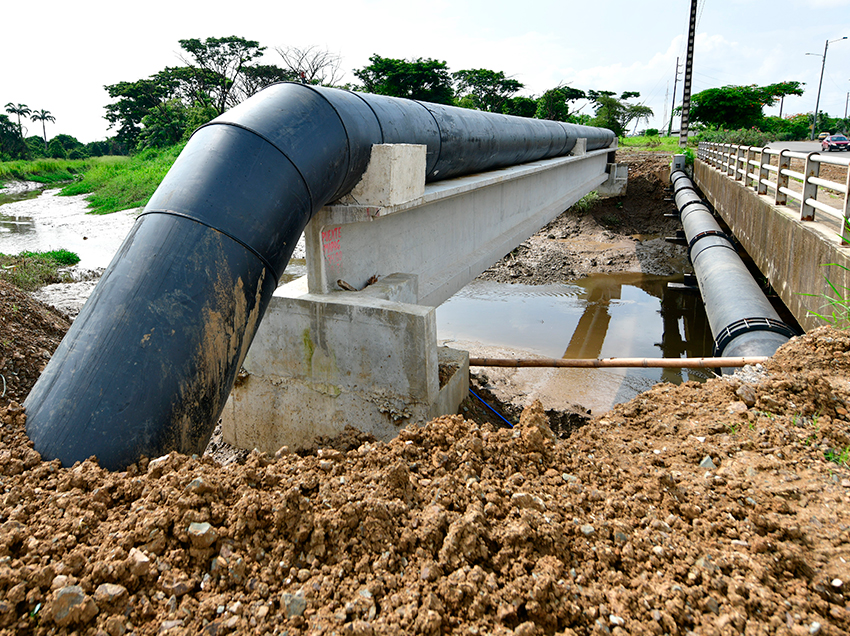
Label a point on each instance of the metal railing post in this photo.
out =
(731, 158)
(782, 179)
(747, 166)
(739, 154)
(764, 173)
(810, 190)
(845, 224)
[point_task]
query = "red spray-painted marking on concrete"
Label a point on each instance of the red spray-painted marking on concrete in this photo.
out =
(331, 246)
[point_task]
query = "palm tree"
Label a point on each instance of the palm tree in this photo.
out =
(19, 110)
(43, 116)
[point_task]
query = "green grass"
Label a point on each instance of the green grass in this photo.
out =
(31, 270)
(838, 303)
(655, 144)
(126, 184)
(584, 204)
(51, 171)
(112, 183)
(839, 456)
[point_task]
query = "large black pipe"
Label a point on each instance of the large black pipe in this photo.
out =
(147, 366)
(742, 320)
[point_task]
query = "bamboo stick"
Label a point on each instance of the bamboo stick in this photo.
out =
(667, 363)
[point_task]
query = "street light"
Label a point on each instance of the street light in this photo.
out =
(823, 64)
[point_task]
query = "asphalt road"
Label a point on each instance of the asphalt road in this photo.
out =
(796, 146)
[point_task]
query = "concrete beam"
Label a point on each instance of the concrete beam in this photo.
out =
(616, 183)
(452, 233)
(794, 255)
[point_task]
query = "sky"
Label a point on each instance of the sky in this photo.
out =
(60, 57)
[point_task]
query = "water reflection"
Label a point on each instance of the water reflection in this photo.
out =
(12, 197)
(11, 224)
(625, 315)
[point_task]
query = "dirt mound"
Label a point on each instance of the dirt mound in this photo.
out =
(29, 334)
(709, 509)
(716, 508)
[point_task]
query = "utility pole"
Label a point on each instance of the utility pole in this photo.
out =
(689, 67)
(673, 109)
(820, 83)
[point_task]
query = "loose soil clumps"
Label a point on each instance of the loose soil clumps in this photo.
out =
(709, 509)
(716, 508)
(29, 334)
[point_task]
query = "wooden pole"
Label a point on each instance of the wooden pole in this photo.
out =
(666, 363)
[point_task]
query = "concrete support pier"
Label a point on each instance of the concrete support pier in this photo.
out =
(355, 344)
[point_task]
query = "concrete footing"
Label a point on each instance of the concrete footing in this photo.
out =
(321, 363)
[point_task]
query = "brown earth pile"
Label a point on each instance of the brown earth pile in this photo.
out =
(718, 508)
(29, 334)
(709, 509)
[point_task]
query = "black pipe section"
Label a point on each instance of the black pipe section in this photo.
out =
(148, 364)
(742, 320)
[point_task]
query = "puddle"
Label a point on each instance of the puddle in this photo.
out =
(623, 315)
(10, 224)
(13, 197)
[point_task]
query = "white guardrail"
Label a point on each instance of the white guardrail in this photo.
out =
(753, 167)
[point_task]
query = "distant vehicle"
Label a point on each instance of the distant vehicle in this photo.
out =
(835, 142)
(823, 136)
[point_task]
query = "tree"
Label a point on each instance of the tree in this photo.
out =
(224, 60)
(35, 147)
(487, 90)
(616, 114)
(256, 78)
(70, 144)
(55, 150)
(426, 80)
(43, 116)
(164, 125)
(735, 107)
(11, 144)
(312, 65)
(554, 104)
(21, 110)
(789, 127)
(135, 100)
(520, 106)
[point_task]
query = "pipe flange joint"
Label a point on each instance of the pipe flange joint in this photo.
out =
(692, 202)
(704, 234)
(746, 325)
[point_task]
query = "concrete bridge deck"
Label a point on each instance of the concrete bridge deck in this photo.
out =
(800, 258)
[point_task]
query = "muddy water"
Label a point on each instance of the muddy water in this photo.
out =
(618, 315)
(39, 221)
(605, 315)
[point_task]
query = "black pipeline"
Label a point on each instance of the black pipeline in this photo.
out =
(147, 366)
(742, 320)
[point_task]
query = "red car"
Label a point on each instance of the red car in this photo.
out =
(835, 142)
